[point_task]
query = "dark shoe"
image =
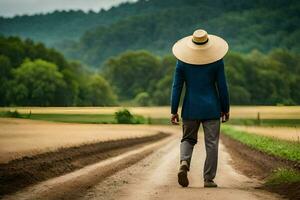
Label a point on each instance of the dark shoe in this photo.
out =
(182, 174)
(210, 183)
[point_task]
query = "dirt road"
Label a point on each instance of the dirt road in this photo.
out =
(154, 177)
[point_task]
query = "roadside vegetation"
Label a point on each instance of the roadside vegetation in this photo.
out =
(284, 149)
(285, 179)
(283, 175)
(266, 122)
(85, 117)
(120, 117)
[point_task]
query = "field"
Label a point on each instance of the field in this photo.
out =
(240, 115)
(20, 137)
(237, 112)
(65, 139)
(285, 133)
(289, 150)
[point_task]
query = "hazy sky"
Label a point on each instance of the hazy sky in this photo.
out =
(10, 8)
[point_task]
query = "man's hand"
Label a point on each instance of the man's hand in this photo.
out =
(224, 116)
(175, 119)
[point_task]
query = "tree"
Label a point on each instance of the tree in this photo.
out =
(132, 73)
(17, 79)
(5, 68)
(142, 99)
(98, 92)
(36, 83)
(162, 92)
(124, 117)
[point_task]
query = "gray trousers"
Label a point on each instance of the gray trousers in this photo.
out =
(211, 136)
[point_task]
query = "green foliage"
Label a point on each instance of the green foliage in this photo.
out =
(266, 122)
(141, 77)
(125, 117)
(162, 90)
(265, 79)
(155, 25)
(78, 118)
(31, 74)
(36, 83)
(132, 73)
(257, 73)
(138, 77)
(98, 92)
(139, 119)
(255, 78)
(280, 148)
(246, 25)
(72, 118)
(5, 67)
(142, 99)
(16, 50)
(13, 114)
(37, 26)
(283, 176)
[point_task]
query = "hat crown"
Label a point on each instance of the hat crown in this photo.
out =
(200, 48)
(200, 36)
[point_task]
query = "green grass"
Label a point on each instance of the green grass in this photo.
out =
(280, 148)
(83, 118)
(282, 176)
(109, 119)
(266, 122)
(73, 118)
(248, 122)
(159, 121)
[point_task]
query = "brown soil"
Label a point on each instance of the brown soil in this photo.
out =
(26, 171)
(24, 137)
(257, 164)
(155, 178)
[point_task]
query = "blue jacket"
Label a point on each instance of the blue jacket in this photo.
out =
(206, 94)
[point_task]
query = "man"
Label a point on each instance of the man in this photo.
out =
(200, 67)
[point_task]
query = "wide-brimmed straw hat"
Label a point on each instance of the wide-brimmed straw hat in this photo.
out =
(200, 48)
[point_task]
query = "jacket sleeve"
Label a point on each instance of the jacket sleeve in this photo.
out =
(222, 88)
(178, 82)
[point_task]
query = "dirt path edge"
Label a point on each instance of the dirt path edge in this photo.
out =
(256, 164)
(21, 173)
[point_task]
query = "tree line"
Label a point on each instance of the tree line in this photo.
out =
(253, 79)
(33, 75)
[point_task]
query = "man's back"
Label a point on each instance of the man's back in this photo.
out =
(206, 90)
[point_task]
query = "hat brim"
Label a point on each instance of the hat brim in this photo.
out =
(189, 52)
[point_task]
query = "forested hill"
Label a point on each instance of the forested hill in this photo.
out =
(247, 25)
(52, 28)
(155, 25)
